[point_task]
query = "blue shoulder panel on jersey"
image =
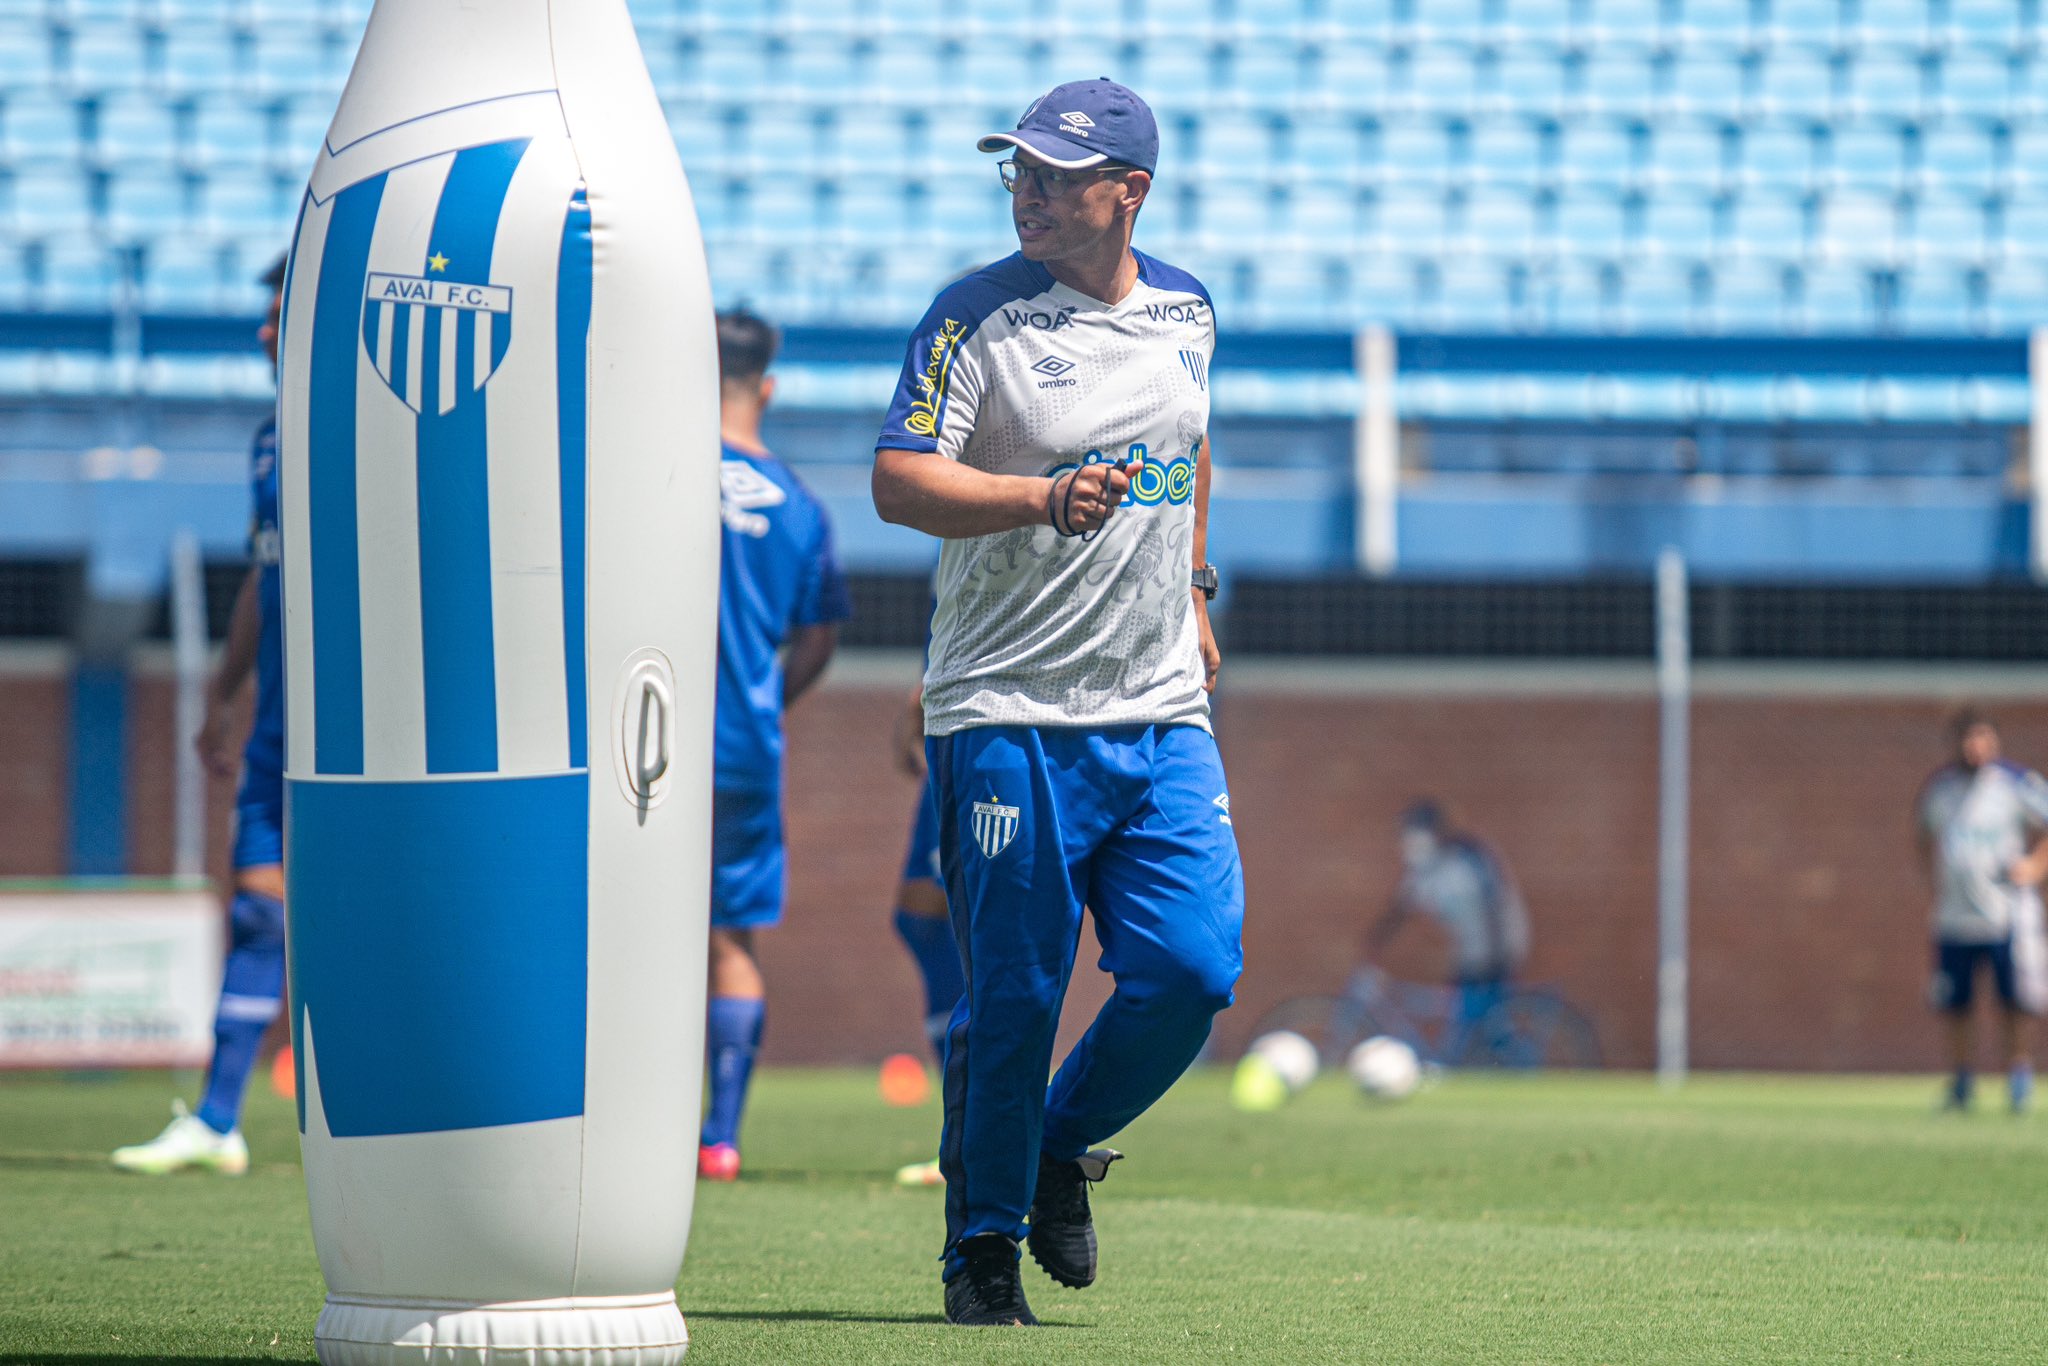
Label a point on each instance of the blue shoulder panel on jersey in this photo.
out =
(449, 989)
(917, 413)
(1160, 275)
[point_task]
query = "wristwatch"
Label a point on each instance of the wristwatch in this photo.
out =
(1205, 579)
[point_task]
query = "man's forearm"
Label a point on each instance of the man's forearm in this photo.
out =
(944, 498)
(238, 653)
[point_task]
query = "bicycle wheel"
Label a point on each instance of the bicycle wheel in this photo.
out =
(1532, 1029)
(1334, 1024)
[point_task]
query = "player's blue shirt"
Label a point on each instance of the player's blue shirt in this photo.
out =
(263, 756)
(777, 573)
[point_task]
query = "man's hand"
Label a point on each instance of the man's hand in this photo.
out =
(1212, 658)
(2029, 870)
(1082, 500)
(215, 741)
(907, 738)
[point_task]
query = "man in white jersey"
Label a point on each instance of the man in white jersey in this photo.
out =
(1051, 427)
(1977, 817)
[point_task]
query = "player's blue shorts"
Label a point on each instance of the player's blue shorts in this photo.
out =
(921, 863)
(259, 819)
(1956, 965)
(747, 865)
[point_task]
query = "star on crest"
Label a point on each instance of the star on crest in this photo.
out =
(437, 262)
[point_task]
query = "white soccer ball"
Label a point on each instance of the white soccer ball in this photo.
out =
(1290, 1056)
(1385, 1068)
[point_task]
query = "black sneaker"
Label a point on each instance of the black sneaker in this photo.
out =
(1062, 1237)
(987, 1291)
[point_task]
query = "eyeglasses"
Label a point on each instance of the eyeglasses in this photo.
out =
(1052, 182)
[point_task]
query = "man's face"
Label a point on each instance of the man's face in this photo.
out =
(1979, 746)
(1418, 845)
(267, 334)
(1071, 221)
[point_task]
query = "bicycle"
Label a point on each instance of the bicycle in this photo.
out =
(1529, 1027)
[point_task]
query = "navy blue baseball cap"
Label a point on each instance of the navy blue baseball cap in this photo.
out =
(1085, 123)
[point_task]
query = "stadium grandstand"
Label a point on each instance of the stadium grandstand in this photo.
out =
(1510, 291)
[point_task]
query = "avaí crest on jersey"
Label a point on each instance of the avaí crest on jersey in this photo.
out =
(995, 825)
(435, 340)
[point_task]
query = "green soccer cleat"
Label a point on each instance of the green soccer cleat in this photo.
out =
(187, 1141)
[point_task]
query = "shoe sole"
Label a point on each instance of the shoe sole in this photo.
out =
(1059, 1275)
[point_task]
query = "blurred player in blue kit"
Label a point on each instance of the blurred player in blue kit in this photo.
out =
(1461, 884)
(1977, 817)
(920, 918)
(1051, 427)
(780, 598)
(253, 985)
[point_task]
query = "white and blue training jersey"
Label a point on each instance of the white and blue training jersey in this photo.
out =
(1978, 823)
(1467, 891)
(1011, 372)
(777, 572)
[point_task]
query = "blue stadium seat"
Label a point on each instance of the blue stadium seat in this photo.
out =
(1327, 144)
(1957, 153)
(103, 57)
(1437, 78)
(1777, 154)
(1806, 21)
(2017, 299)
(1323, 214)
(301, 135)
(1354, 16)
(1264, 67)
(25, 58)
(1949, 225)
(1705, 82)
(1354, 72)
(50, 201)
(15, 284)
(1717, 21)
(1836, 298)
(233, 200)
(1580, 294)
(1767, 223)
(2000, 23)
(227, 130)
(2023, 226)
(198, 59)
(1414, 151)
(1506, 151)
(780, 139)
(146, 201)
(1589, 221)
(1749, 296)
(723, 65)
(2029, 157)
(1498, 222)
(294, 61)
(1865, 155)
(77, 276)
(182, 275)
(1409, 221)
(1528, 81)
(1942, 299)
(1792, 83)
(1616, 81)
(1679, 221)
(42, 129)
(1597, 151)
(1688, 152)
(1860, 225)
(1975, 82)
(133, 128)
(1884, 83)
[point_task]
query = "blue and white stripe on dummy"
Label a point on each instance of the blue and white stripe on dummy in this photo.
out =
(442, 602)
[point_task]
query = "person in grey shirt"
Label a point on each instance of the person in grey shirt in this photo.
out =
(1981, 820)
(1461, 884)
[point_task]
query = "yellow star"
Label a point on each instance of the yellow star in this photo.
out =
(437, 262)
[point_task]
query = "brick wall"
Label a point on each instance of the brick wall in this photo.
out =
(1808, 904)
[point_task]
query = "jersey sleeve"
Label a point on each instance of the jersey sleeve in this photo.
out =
(2032, 790)
(823, 598)
(939, 391)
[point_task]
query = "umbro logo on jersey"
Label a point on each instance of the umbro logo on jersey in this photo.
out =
(1197, 366)
(995, 826)
(742, 490)
(1055, 366)
(1077, 123)
(1222, 805)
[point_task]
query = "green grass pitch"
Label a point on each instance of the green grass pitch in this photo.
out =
(1491, 1220)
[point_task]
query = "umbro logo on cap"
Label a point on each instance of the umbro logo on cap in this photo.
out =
(1077, 123)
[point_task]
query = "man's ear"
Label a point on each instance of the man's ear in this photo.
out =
(767, 390)
(1137, 185)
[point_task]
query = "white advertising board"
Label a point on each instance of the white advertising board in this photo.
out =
(108, 978)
